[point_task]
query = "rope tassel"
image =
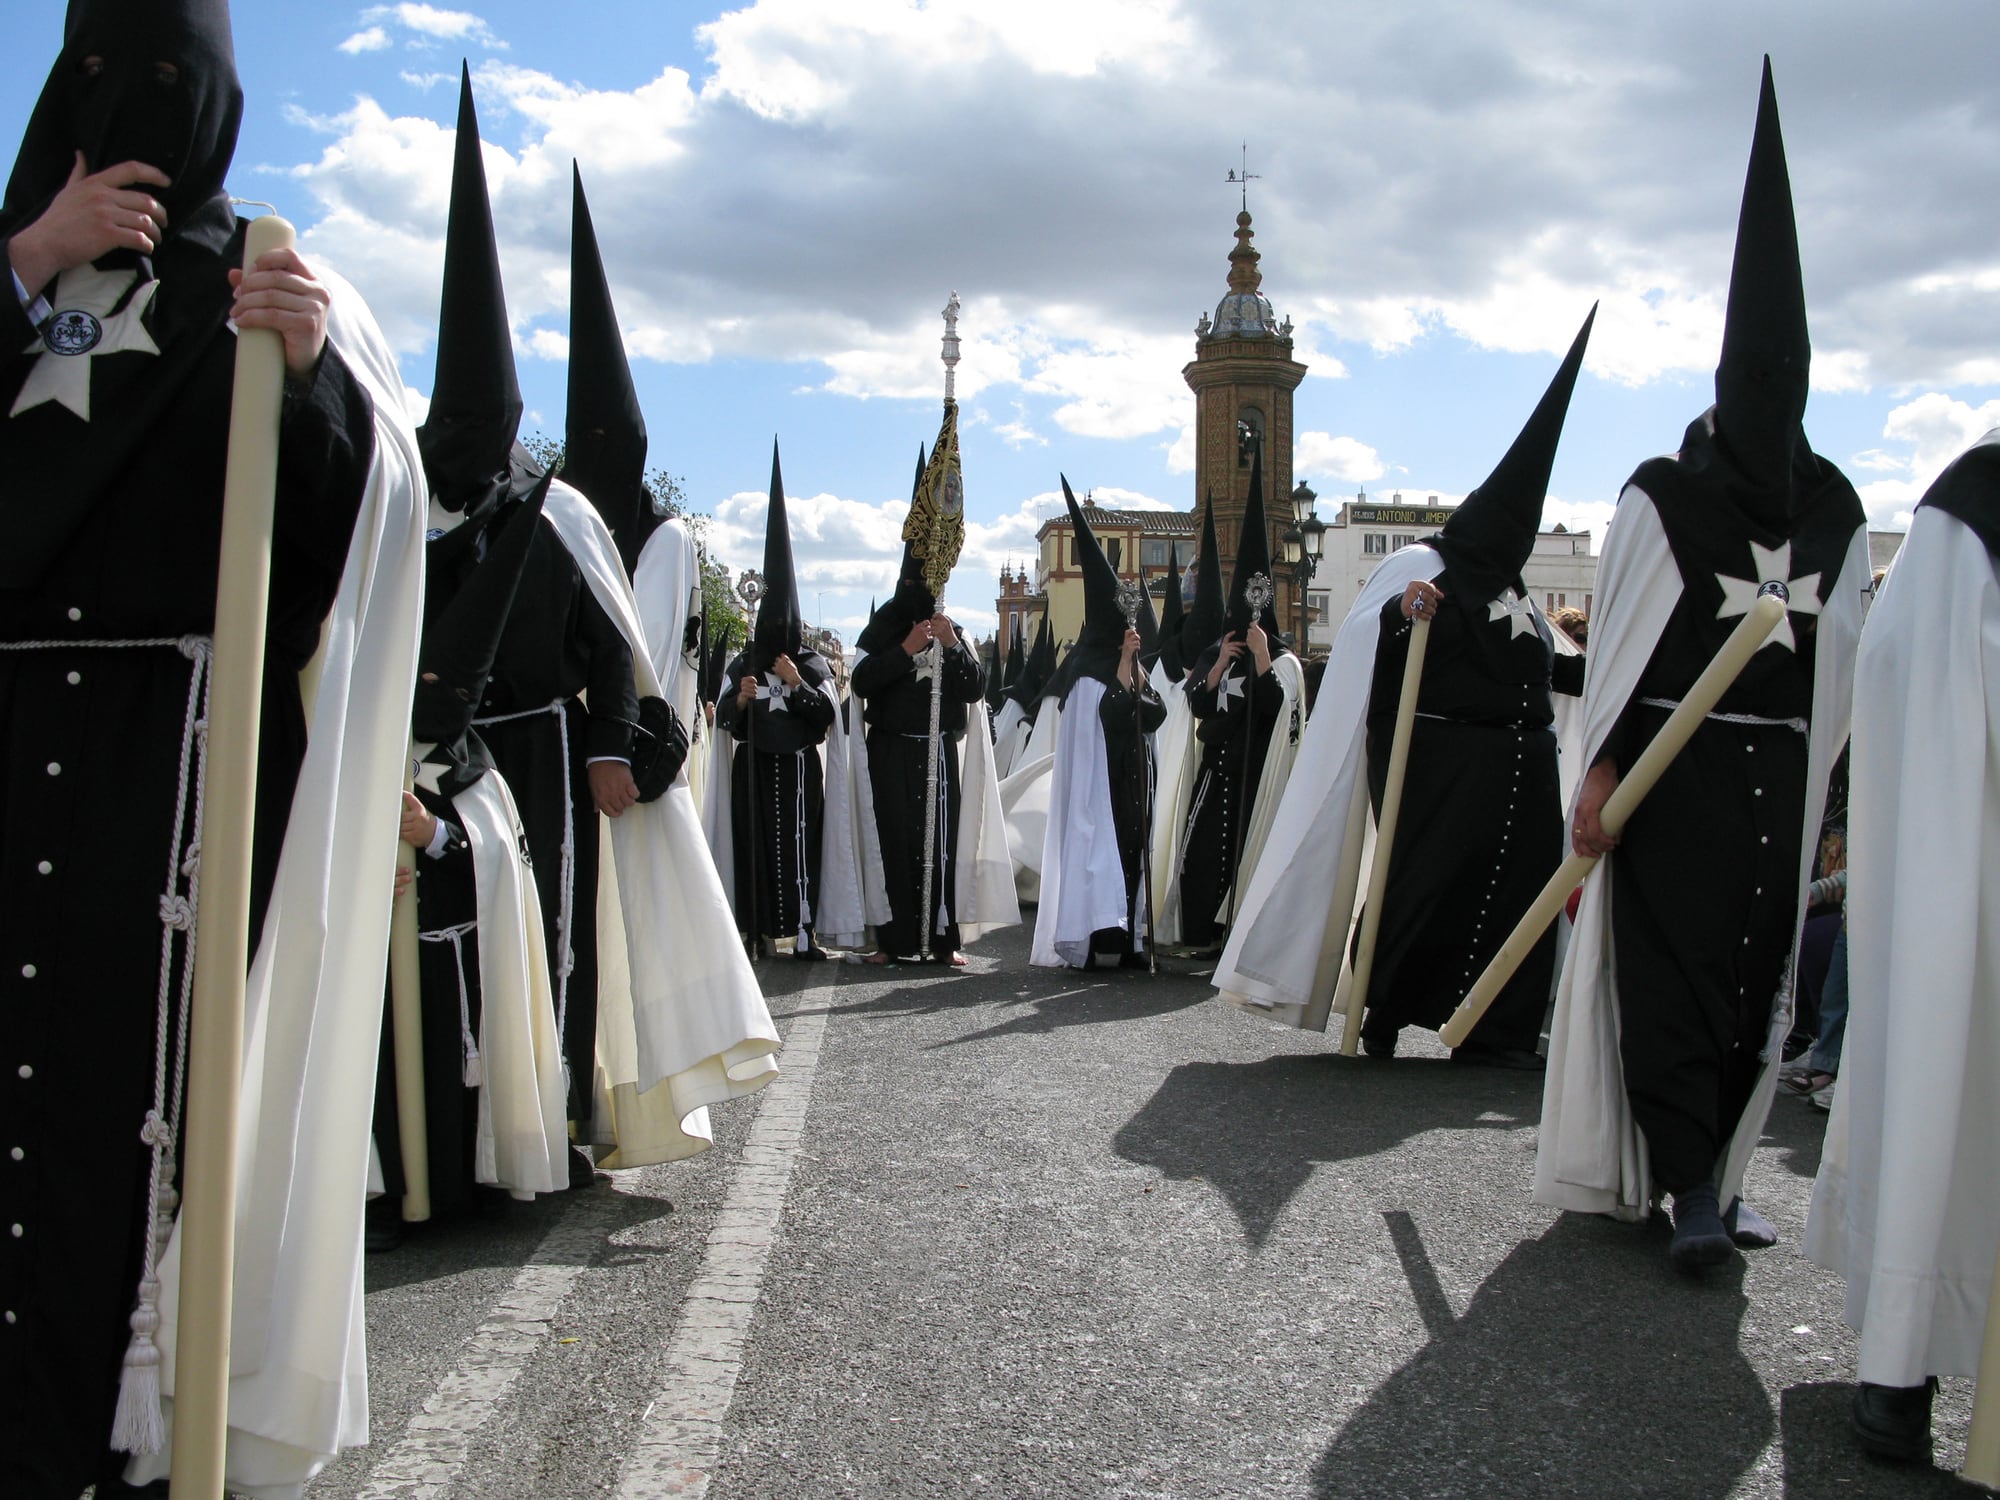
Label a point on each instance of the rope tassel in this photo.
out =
(139, 1425)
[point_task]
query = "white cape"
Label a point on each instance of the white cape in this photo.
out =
(1590, 1155)
(298, 1390)
(681, 1022)
(1289, 949)
(1905, 1205)
(1272, 777)
(1083, 878)
(1010, 733)
(983, 889)
(1174, 768)
(522, 1140)
(666, 586)
(1024, 802)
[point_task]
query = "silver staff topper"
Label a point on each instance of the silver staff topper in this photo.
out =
(1258, 593)
(1128, 601)
(750, 588)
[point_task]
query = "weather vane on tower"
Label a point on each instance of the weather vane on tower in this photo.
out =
(1242, 177)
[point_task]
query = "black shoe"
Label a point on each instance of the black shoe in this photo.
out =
(813, 955)
(1520, 1059)
(1700, 1239)
(382, 1226)
(1893, 1422)
(582, 1167)
(1133, 961)
(1750, 1229)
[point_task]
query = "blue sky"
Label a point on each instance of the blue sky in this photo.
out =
(788, 191)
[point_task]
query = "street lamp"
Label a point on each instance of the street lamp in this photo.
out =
(1302, 549)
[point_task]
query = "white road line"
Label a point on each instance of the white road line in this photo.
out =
(426, 1462)
(680, 1437)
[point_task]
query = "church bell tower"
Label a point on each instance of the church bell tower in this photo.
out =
(1243, 376)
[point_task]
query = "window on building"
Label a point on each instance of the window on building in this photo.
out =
(1404, 539)
(1153, 552)
(1552, 601)
(1113, 552)
(1562, 601)
(1249, 435)
(1375, 544)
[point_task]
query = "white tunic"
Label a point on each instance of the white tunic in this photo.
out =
(1905, 1205)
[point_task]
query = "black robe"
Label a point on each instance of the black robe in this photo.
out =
(1705, 879)
(447, 899)
(897, 710)
(558, 644)
(785, 783)
(1479, 830)
(1129, 717)
(90, 747)
(1234, 733)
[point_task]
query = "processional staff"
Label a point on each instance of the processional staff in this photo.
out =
(1385, 826)
(1258, 594)
(222, 925)
(935, 531)
(750, 589)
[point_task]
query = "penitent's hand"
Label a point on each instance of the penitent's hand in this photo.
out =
(419, 825)
(1420, 600)
(918, 640)
(94, 214)
(612, 786)
(1587, 835)
(1260, 648)
(281, 293)
(942, 630)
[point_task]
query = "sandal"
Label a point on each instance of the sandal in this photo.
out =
(1808, 1083)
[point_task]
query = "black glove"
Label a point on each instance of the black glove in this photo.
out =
(659, 748)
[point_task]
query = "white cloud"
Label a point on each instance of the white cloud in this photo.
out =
(1930, 432)
(429, 23)
(1322, 456)
(374, 39)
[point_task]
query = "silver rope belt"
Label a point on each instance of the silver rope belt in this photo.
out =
(140, 1425)
(565, 952)
(1754, 721)
(474, 1072)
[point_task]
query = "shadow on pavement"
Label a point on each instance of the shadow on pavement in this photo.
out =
(1583, 1366)
(1822, 1460)
(507, 1239)
(1090, 999)
(1257, 1130)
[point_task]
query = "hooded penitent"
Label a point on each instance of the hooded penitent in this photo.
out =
(1171, 618)
(461, 640)
(1253, 560)
(468, 436)
(1095, 653)
(1203, 625)
(1490, 536)
(604, 433)
(780, 625)
(130, 328)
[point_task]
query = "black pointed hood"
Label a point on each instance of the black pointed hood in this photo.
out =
(1490, 536)
(1169, 654)
(1761, 379)
(1095, 652)
(122, 112)
(1203, 625)
(1017, 653)
(475, 408)
(1036, 670)
(996, 686)
(780, 625)
(604, 433)
(1253, 560)
(460, 642)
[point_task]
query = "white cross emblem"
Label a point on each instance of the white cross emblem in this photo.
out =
(1770, 565)
(1521, 610)
(82, 328)
(774, 690)
(1231, 687)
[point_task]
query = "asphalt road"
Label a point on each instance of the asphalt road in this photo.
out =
(1015, 1232)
